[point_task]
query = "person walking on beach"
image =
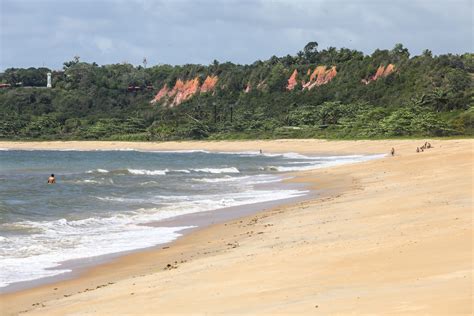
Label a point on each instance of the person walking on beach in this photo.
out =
(393, 151)
(51, 179)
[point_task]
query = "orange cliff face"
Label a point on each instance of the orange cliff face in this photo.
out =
(318, 71)
(380, 73)
(161, 94)
(184, 90)
(209, 84)
(320, 76)
(292, 82)
(388, 70)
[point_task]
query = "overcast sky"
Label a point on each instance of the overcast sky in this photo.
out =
(49, 32)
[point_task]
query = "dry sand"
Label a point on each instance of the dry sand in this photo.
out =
(391, 236)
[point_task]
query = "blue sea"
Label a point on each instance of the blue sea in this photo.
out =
(102, 199)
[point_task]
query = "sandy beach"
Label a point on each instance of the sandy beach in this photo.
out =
(388, 236)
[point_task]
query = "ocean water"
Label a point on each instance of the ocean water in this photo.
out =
(103, 198)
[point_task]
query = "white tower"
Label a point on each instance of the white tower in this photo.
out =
(48, 85)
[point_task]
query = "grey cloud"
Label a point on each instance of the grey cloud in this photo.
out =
(177, 32)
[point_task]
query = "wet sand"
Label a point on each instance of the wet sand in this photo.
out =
(390, 236)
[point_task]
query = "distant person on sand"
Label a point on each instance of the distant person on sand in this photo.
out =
(261, 152)
(51, 179)
(417, 149)
(393, 151)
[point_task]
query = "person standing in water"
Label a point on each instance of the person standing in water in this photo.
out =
(51, 179)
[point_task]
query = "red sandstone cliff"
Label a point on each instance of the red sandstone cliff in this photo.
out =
(184, 90)
(161, 94)
(320, 76)
(292, 82)
(388, 70)
(380, 73)
(209, 84)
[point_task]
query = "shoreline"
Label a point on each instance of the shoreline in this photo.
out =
(200, 220)
(285, 235)
(302, 146)
(86, 276)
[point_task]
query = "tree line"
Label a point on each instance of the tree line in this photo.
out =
(425, 95)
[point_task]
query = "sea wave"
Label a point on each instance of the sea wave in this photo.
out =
(148, 183)
(181, 171)
(88, 181)
(148, 172)
(98, 170)
(178, 151)
(324, 162)
(217, 170)
(247, 180)
(39, 255)
(223, 179)
(162, 172)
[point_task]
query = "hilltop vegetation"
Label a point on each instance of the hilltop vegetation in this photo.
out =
(332, 93)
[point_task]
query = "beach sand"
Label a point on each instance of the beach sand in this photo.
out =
(389, 236)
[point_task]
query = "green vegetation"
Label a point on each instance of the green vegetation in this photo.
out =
(426, 95)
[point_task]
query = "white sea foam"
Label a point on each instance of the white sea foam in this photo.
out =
(177, 151)
(93, 181)
(202, 203)
(162, 172)
(148, 172)
(181, 171)
(110, 198)
(297, 156)
(98, 171)
(217, 180)
(324, 162)
(244, 180)
(39, 255)
(217, 170)
(149, 182)
(116, 149)
(264, 154)
(88, 181)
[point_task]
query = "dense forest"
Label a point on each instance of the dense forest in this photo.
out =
(330, 93)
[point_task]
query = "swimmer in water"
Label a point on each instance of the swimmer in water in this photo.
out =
(51, 179)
